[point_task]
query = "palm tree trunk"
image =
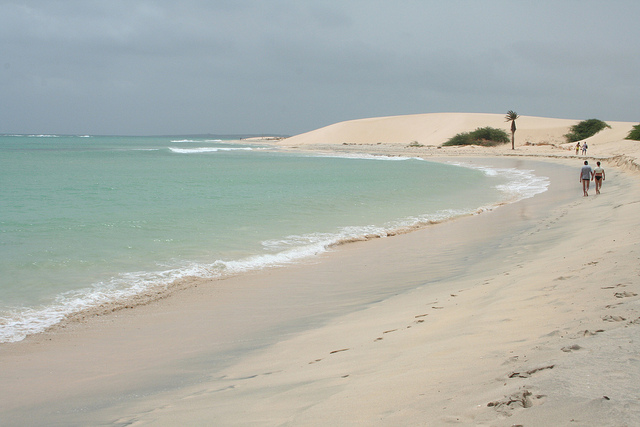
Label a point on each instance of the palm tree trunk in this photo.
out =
(513, 134)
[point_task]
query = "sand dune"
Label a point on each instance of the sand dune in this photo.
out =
(435, 129)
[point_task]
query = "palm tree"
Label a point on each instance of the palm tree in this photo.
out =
(511, 117)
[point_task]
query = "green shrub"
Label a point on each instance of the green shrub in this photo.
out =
(460, 139)
(490, 134)
(634, 133)
(486, 136)
(585, 129)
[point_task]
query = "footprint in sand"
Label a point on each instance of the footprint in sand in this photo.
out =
(385, 332)
(612, 305)
(584, 333)
(418, 317)
(521, 399)
(528, 373)
(625, 294)
(613, 318)
(588, 333)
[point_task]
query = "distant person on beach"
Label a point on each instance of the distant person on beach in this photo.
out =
(598, 176)
(585, 177)
(584, 148)
(577, 148)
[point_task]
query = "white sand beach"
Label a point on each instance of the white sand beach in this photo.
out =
(527, 314)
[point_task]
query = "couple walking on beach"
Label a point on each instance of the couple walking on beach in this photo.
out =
(587, 174)
(583, 147)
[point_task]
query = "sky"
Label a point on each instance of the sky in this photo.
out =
(166, 67)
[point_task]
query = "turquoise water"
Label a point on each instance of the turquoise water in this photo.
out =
(84, 220)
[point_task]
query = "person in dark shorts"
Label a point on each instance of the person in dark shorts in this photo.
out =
(585, 177)
(598, 177)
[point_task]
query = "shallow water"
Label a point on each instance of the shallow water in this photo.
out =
(85, 220)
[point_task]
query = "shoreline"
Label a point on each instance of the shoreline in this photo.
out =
(514, 327)
(165, 289)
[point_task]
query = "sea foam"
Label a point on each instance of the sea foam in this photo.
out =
(200, 150)
(521, 183)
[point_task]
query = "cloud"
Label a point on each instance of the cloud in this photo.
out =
(289, 66)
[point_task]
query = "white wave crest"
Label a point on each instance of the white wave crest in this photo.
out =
(364, 156)
(200, 150)
(521, 183)
(21, 322)
(197, 140)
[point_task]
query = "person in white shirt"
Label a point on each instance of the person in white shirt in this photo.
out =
(598, 176)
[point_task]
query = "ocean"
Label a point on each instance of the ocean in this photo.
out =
(86, 220)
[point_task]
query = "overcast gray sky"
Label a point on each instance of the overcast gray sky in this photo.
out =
(290, 66)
